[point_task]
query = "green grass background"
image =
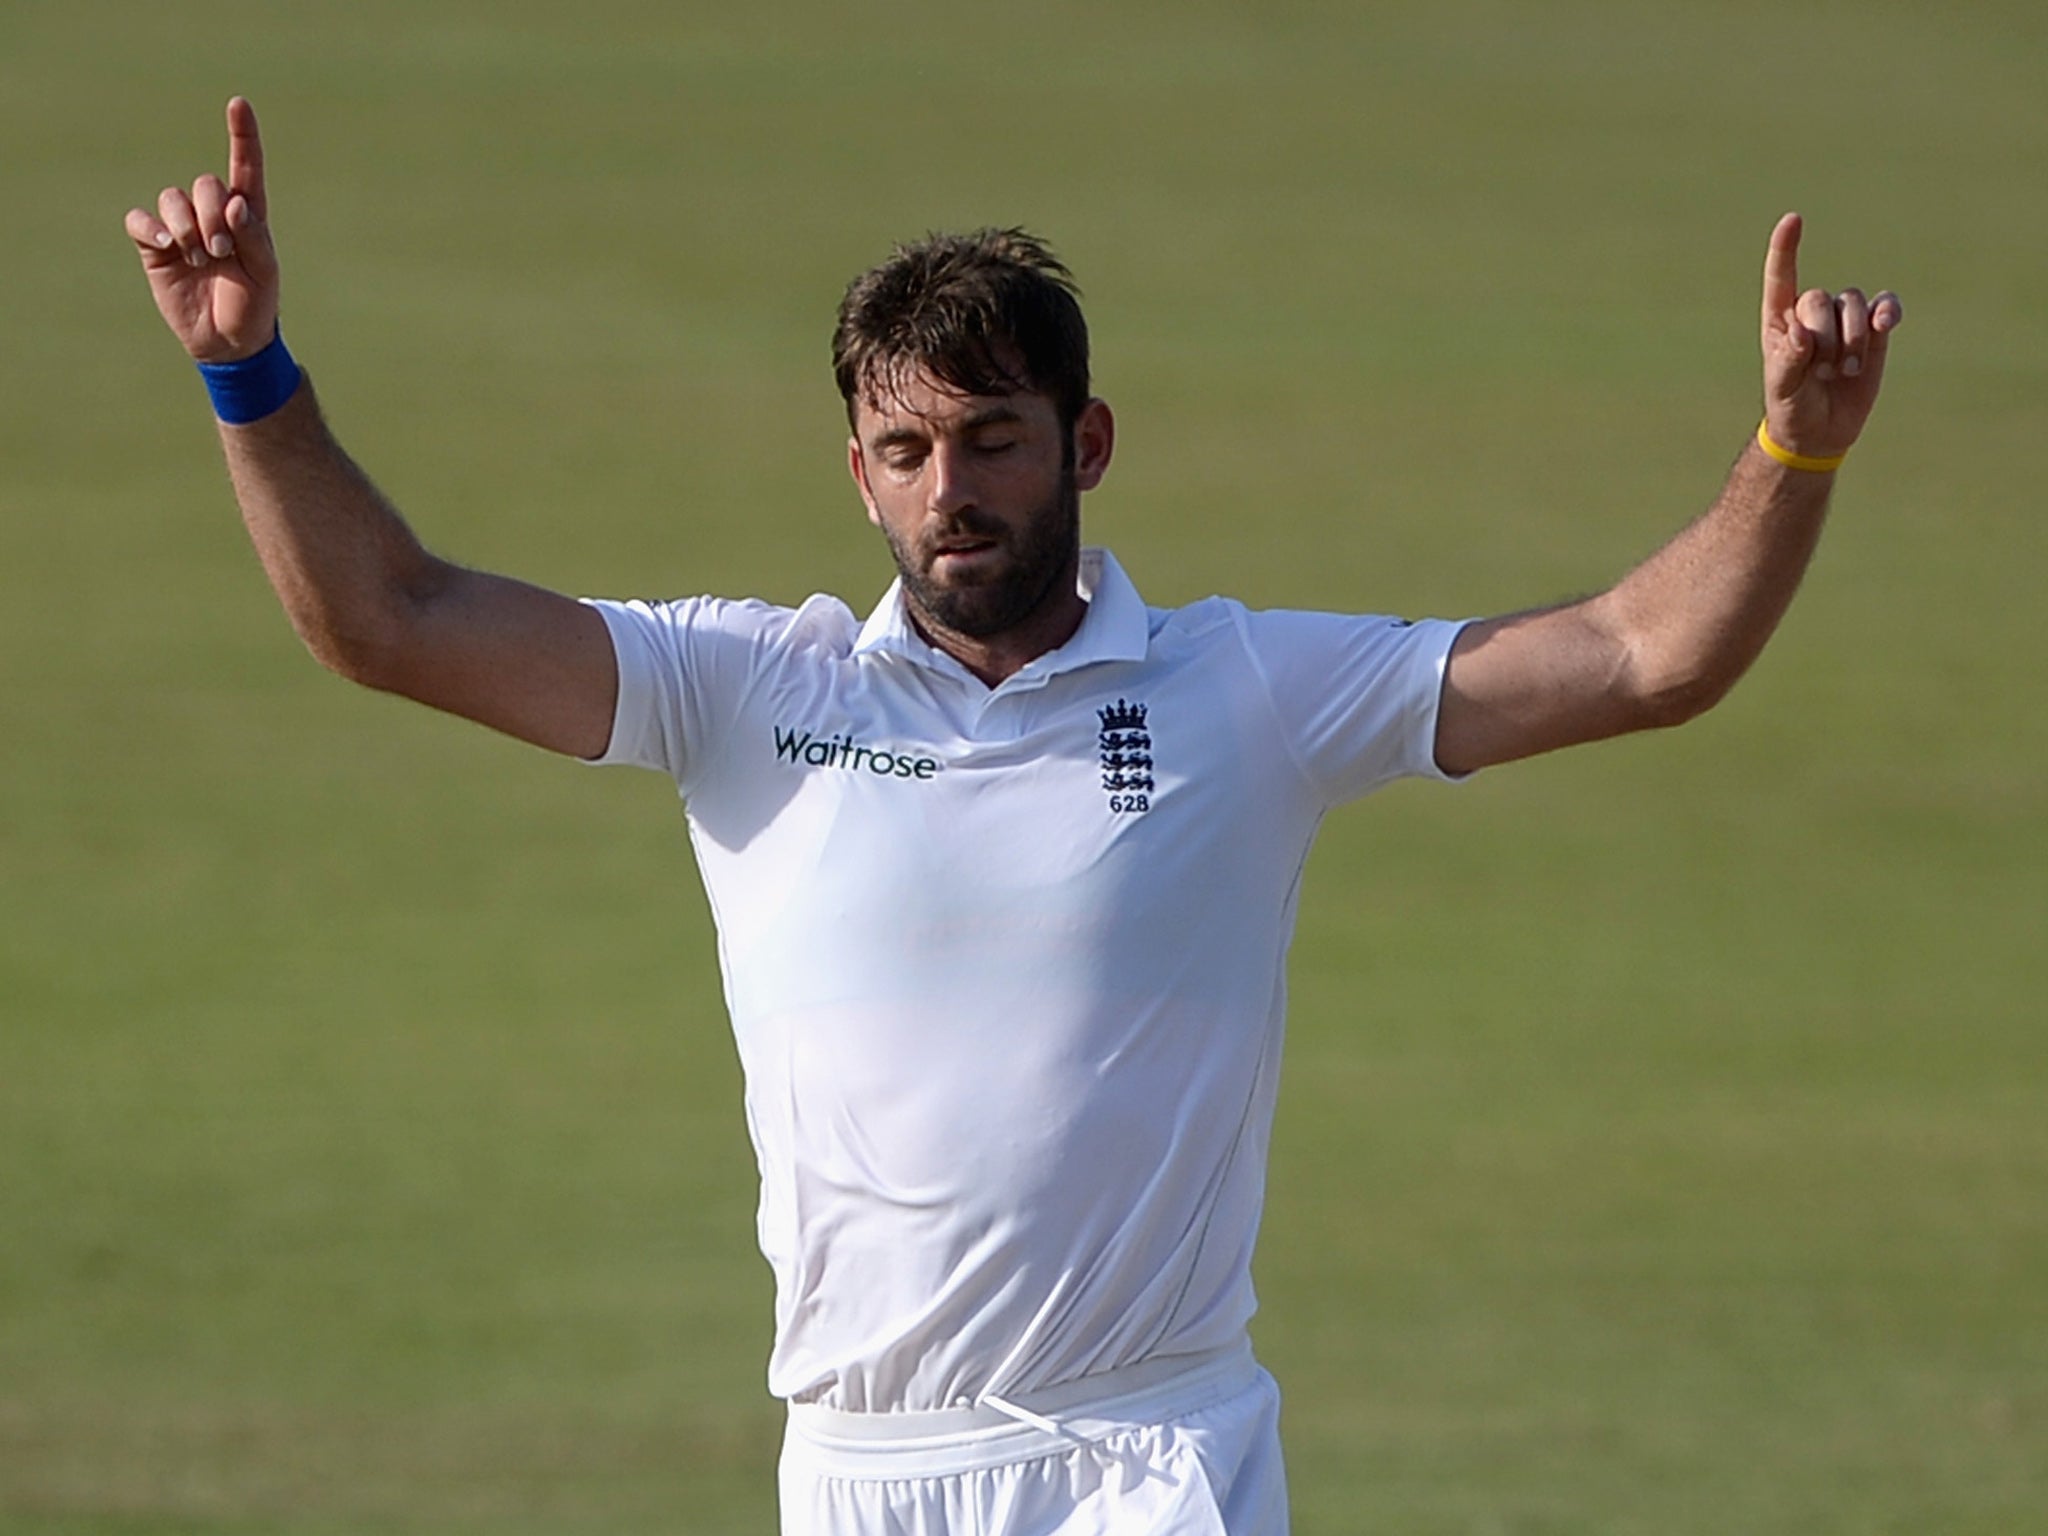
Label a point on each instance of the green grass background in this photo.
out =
(1664, 1146)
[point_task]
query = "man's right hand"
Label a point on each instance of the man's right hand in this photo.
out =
(209, 256)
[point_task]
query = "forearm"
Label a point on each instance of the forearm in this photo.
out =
(340, 558)
(1691, 619)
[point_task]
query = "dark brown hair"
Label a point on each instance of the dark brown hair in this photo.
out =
(986, 313)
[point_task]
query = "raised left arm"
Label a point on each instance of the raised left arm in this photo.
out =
(1671, 638)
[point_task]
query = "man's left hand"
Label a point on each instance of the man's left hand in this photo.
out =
(1823, 353)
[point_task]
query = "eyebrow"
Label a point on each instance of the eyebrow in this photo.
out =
(990, 416)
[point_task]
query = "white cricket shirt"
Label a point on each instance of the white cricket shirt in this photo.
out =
(1007, 966)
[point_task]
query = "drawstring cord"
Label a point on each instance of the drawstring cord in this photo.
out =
(1021, 1415)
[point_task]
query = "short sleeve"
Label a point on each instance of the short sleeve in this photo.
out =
(1356, 695)
(684, 669)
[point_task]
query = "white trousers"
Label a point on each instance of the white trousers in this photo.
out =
(1168, 1448)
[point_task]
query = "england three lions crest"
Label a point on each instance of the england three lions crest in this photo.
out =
(1126, 749)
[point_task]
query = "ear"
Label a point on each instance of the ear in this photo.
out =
(1094, 441)
(857, 466)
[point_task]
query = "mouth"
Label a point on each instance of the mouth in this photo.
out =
(963, 553)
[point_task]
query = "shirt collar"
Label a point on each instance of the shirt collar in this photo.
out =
(1116, 626)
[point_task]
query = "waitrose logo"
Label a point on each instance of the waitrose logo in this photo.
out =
(813, 751)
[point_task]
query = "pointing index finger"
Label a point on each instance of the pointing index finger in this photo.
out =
(245, 157)
(1781, 270)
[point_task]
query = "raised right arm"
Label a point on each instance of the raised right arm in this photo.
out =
(369, 601)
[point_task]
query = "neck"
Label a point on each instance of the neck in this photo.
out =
(992, 658)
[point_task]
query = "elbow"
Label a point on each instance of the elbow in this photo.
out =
(361, 654)
(370, 638)
(1659, 702)
(1676, 706)
(1663, 678)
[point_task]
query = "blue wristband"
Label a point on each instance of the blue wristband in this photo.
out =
(253, 387)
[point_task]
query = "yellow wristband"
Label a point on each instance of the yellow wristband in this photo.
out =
(1791, 460)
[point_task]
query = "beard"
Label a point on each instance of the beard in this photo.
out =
(1041, 553)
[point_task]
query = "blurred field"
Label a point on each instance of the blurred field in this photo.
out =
(1665, 1141)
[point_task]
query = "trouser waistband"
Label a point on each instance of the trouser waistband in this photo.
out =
(997, 1431)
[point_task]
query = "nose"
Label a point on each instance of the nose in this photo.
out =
(952, 488)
